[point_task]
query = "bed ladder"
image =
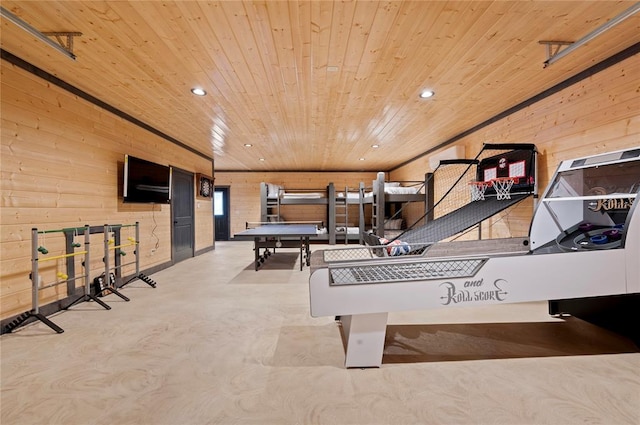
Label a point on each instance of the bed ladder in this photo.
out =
(273, 209)
(342, 215)
(377, 214)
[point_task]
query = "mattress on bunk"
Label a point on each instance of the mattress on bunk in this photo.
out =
(302, 195)
(350, 230)
(349, 195)
(275, 191)
(400, 190)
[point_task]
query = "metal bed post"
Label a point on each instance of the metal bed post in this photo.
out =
(331, 219)
(361, 211)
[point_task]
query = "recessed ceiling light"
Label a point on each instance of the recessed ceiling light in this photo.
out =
(261, 159)
(198, 91)
(361, 159)
(332, 69)
(247, 145)
(375, 146)
(426, 94)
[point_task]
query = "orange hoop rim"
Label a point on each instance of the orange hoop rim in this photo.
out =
(480, 184)
(515, 180)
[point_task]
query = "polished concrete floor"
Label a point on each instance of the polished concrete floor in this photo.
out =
(219, 343)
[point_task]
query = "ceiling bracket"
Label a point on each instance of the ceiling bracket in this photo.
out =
(554, 47)
(558, 54)
(66, 50)
(68, 45)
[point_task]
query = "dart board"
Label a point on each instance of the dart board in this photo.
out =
(205, 186)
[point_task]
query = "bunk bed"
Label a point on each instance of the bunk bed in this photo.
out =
(273, 197)
(343, 223)
(348, 227)
(387, 198)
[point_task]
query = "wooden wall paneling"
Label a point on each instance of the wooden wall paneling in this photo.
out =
(49, 136)
(61, 167)
(598, 114)
(245, 192)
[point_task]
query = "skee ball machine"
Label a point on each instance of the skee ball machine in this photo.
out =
(588, 207)
(583, 247)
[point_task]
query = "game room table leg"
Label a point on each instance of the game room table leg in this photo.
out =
(301, 253)
(307, 250)
(364, 334)
(256, 251)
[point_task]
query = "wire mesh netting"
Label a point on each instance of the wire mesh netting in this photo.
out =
(350, 254)
(459, 220)
(369, 252)
(455, 209)
(451, 186)
(402, 272)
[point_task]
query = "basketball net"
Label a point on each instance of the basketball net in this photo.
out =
(478, 189)
(503, 187)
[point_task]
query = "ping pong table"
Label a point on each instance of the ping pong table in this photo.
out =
(269, 236)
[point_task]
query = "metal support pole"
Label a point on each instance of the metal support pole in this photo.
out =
(106, 253)
(107, 277)
(34, 271)
(87, 263)
(137, 252)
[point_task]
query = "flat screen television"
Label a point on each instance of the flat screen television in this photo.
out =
(146, 181)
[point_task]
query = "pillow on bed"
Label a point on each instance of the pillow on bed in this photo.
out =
(273, 190)
(391, 184)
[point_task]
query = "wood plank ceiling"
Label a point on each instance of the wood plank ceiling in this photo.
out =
(313, 85)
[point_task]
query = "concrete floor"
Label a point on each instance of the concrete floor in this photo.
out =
(219, 343)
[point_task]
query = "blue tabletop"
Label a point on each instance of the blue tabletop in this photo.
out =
(281, 230)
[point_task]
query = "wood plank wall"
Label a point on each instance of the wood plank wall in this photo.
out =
(598, 114)
(245, 192)
(61, 160)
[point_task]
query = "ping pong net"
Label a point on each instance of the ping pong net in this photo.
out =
(254, 224)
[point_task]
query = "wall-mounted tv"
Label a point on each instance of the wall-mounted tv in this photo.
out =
(146, 181)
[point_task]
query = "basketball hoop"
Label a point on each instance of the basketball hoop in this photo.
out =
(478, 189)
(503, 186)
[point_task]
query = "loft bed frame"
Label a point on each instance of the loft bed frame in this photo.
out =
(379, 196)
(273, 197)
(393, 193)
(339, 215)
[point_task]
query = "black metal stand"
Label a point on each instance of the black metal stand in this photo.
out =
(89, 297)
(269, 245)
(25, 316)
(146, 279)
(112, 290)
